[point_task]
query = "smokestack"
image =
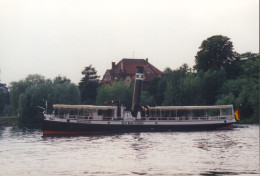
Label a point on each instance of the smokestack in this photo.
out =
(137, 91)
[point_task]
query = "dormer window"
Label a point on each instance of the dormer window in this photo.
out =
(148, 70)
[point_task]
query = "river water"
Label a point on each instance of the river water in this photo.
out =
(234, 152)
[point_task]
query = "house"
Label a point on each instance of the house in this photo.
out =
(126, 69)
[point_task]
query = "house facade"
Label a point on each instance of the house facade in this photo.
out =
(125, 70)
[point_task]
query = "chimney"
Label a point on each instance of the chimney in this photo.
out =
(122, 66)
(113, 65)
(137, 91)
(146, 60)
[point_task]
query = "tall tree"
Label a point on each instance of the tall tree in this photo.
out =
(215, 53)
(88, 85)
(4, 98)
(117, 91)
(56, 92)
(18, 88)
(59, 80)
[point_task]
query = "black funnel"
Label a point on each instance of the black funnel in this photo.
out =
(137, 91)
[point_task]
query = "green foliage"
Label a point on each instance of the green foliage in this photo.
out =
(60, 80)
(88, 85)
(250, 66)
(147, 99)
(177, 86)
(213, 86)
(118, 91)
(4, 100)
(249, 100)
(124, 93)
(243, 90)
(156, 88)
(16, 89)
(192, 90)
(226, 99)
(215, 53)
(211, 82)
(34, 91)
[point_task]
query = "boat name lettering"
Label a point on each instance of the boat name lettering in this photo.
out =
(83, 121)
(132, 122)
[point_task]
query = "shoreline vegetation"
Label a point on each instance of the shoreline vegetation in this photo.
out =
(9, 121)
(220, 76)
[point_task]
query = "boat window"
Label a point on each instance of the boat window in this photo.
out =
(166, 113)
(90, 113)
(73, 112)
(183, 113)
(198, 113)
(107, 113)
(56, 112)
(213, 112)
(152, 113)
(227, 111)
(81, 113)
(100, 112)
(158, 113)
(63, 112)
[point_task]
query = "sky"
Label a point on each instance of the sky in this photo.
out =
(61, 37)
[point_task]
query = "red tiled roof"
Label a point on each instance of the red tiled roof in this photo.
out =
(127, 67)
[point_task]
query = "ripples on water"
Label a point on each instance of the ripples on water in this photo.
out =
(235, 152)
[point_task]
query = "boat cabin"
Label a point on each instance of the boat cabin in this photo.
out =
(88, 112)
(215, 112)
(169, 113)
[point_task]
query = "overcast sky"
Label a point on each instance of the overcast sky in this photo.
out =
(52, 37)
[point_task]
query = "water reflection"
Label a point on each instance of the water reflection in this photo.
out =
(24, 151)
(220, 141)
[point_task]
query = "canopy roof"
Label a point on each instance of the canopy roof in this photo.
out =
(190, 107)
(86, 107)
(83, 107)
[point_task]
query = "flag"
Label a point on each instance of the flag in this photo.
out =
(237, 114)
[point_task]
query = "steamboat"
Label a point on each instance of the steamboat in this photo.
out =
(90, 119)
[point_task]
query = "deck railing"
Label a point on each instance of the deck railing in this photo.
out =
(157, 118)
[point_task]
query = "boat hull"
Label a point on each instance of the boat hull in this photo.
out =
(68, 128)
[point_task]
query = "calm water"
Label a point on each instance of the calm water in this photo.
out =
(235, 152)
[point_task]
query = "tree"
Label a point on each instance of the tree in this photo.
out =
(156, 87)
(147, 99)
(34, 80)
(250, 66)
(4, 99)
(174, 85)
(88, 85)
(215, 53)
(59, 80)
(211, 81)
(34, 91)
(242, 93)
(118, 91)
(53, 93)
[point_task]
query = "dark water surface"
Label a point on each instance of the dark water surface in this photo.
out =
(234, 152)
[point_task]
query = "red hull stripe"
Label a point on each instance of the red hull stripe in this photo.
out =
(72, 132)
(229, 127)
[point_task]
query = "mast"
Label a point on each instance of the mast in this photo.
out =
(137, 91)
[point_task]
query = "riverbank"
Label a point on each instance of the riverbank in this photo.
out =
(9, 121)
(251, 120)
